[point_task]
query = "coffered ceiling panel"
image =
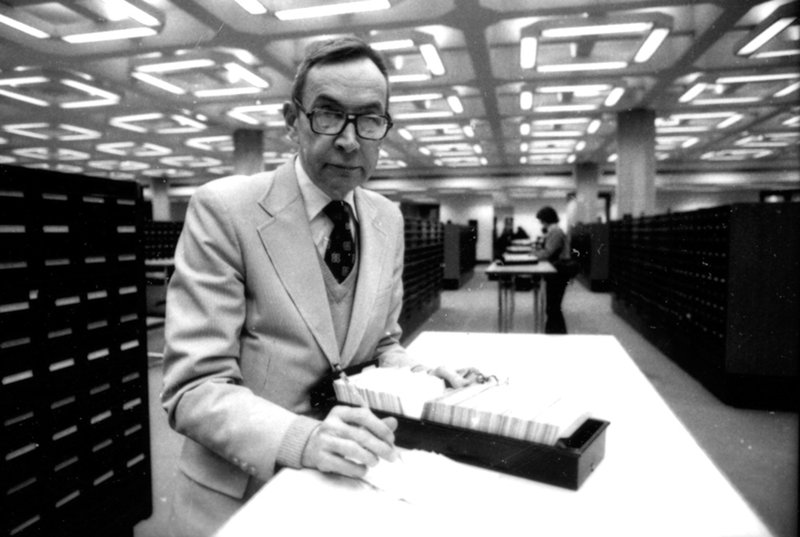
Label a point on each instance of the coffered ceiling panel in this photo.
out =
(141, 89)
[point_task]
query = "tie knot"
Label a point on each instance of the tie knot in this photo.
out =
(336, 211)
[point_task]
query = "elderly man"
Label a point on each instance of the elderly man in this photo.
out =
(281, 278)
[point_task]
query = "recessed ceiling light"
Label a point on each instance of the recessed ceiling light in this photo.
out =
(329, 10)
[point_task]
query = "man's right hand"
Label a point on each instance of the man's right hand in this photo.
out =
(350, 440)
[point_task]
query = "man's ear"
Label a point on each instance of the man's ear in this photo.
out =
(290, 116)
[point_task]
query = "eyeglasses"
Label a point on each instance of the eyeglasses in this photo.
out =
(333, 122)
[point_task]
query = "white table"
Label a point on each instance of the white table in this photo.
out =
(505, 275)
(655, 481)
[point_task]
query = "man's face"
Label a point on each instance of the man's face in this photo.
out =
(337, 164)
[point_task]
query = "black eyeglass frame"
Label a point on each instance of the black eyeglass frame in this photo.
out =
(348, 118)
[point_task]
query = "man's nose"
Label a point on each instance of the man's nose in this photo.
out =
(347, 140)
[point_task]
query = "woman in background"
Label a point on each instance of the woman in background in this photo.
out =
(554, 247)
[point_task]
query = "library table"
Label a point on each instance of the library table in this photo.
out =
(505, 274)
(654, 481)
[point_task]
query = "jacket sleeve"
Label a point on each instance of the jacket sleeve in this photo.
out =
(204, 394)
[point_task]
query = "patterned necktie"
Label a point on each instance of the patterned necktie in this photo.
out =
(341, 252)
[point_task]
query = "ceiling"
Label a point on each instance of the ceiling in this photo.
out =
(164, 101)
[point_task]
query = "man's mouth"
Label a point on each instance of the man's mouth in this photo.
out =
(344, 167)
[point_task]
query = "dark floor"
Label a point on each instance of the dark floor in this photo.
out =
(757, 450)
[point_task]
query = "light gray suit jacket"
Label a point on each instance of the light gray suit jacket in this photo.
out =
(249, 329)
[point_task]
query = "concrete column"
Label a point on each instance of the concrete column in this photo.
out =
(636, 162)
(587, 179)
(162, 211)
(248, 151)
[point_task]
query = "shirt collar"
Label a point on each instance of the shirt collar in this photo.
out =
(315, 198)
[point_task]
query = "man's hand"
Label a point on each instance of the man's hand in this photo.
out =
(349, 440)
(459, 378)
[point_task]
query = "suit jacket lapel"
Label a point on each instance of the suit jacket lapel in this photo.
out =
(287, 240)
(372, 263)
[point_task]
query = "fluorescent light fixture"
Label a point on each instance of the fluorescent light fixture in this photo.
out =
(747, 79)
(159, 83)
(431, 56)
(225, 92)
(690, 142)
(24, 28)
(329, 10)
(422, 77)
(242, 113)
(590, 66)
(651, 45)
(692, 92)
(433, 127)
(415, 97)
(454, 102)
(210, 143)
(765, 35)
(614, 96)
(245, 74)
(528, 47)
(45, 153)
(91, 90)
(126, 122)
(561, 121)
(791, 88)
(582, 90)
(594, 126)
(597, 29)
(734, 154)
(682, 129)
(424, 115)
(22, 80)
(110, 35)
(178, 65)
(23, 98)
(124, 149)
(727, 100)
(566, 108)
(133, 12)
(186, 125)
(118, 165)
(254, 7)
(777, 53)
(393, 44)
(700, 115)
(526, 100)
(557, 134)
(405, 134)
(88, 104)
(792, 122)
(735, 118)
(25, 129)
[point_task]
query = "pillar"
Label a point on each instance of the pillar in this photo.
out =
(636, 168)
(248, 151)
(587, 179)
(162, 211)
